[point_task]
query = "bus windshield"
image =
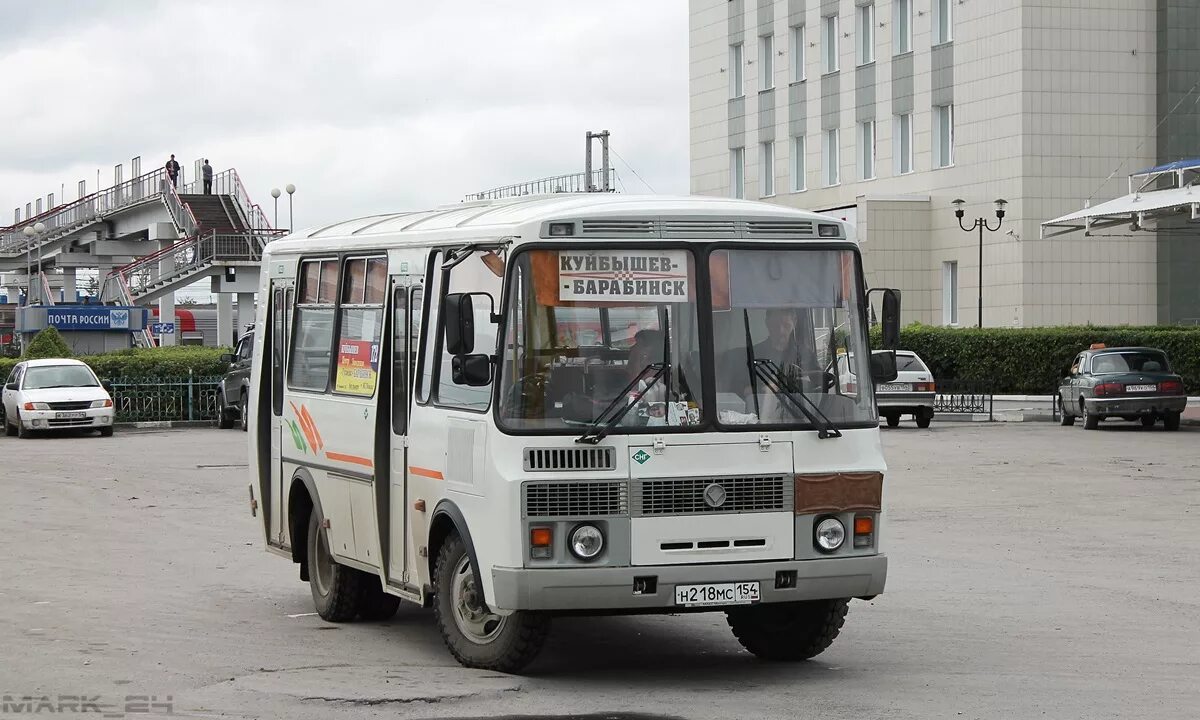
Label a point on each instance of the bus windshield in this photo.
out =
(587, 330)
(597, 334)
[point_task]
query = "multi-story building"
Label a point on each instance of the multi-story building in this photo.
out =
(886, 111)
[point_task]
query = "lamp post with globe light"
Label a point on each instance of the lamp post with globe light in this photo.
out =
(275, 194)
(291, 190)
(33, 233)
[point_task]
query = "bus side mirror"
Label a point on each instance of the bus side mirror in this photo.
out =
(883, 366)
(890, 322)
(471, 370)
(460, 324)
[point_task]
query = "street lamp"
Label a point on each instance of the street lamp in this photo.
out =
(275, 194)
(31, 232)
(980, 224)
(291, 190)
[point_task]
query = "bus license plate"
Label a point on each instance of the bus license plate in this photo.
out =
(69, 415)
(1140, 388)
(741, 593)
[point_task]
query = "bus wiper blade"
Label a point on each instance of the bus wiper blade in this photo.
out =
(601, 427)
(773, 378)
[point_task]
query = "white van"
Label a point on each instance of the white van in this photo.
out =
(507, 410)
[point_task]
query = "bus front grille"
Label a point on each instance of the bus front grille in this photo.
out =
(575, 499)
(557, 459)
(686, 496)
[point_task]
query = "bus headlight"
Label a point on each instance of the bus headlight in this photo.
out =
(830, 534)
(586, 542)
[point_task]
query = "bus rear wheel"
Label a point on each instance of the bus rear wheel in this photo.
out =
(475, 636)
(336, 589)
(788, 631)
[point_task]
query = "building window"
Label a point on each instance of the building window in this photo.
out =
(798, 53)
(735, 71)
(866, 34)
(943, 136)
(902, 143)
(830, 156)
(901, 26)
(737, 170)
(766, 169)
(829, 43)
(866, 150)
(943, 21)
(950, 293)
(766, 62)
(797, 170)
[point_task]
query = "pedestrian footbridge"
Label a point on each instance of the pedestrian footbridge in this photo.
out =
(146, 238)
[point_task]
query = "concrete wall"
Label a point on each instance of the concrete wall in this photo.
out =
(1178, 57)
(1048, 102)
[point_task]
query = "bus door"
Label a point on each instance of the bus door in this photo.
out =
(393, 514)
(282, 297)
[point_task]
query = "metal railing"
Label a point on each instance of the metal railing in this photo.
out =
(963, 397)
(190, 398)
(85, 210)
(180, 212)
(573, 183)
(180, 259)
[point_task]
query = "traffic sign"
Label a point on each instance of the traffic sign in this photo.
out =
(163, 328)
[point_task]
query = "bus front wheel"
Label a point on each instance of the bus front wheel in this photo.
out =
(788, 631)
(475, 636)
(336, 589)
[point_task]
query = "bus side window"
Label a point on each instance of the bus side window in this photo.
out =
(277, 345)
(471, 276)
(426, 361)
(312, 341)
(400, 337)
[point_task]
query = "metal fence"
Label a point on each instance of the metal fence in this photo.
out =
(188, 398)
(963, 397)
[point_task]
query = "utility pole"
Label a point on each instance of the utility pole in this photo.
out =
(589, 186)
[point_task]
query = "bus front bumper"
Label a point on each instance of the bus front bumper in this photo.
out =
(613, 588)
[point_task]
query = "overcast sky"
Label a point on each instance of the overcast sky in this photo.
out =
(366, 107)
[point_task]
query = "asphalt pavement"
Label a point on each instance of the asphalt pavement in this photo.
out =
(1035, 572)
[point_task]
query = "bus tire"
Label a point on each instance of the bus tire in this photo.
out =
(336, 589)
(375, 604)
(474, 636)
(788, 631)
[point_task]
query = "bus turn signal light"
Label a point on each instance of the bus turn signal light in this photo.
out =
(864, 531)
(541, 537)
(541, 540)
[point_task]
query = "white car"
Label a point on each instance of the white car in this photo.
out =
(911, 393)
(53, 395)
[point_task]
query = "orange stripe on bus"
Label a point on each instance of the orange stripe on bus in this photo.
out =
(354, 459)
(425, 472)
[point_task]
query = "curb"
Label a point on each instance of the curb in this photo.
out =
(1018, 416)
(168, 424)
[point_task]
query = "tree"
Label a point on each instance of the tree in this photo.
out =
(47, 344)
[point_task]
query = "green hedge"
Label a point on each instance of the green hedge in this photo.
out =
(1031, 361)
(149, 362)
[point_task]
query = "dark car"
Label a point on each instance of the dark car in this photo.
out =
(233, 394)
(1132, 383)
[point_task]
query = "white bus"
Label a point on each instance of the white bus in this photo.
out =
(586, 404)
